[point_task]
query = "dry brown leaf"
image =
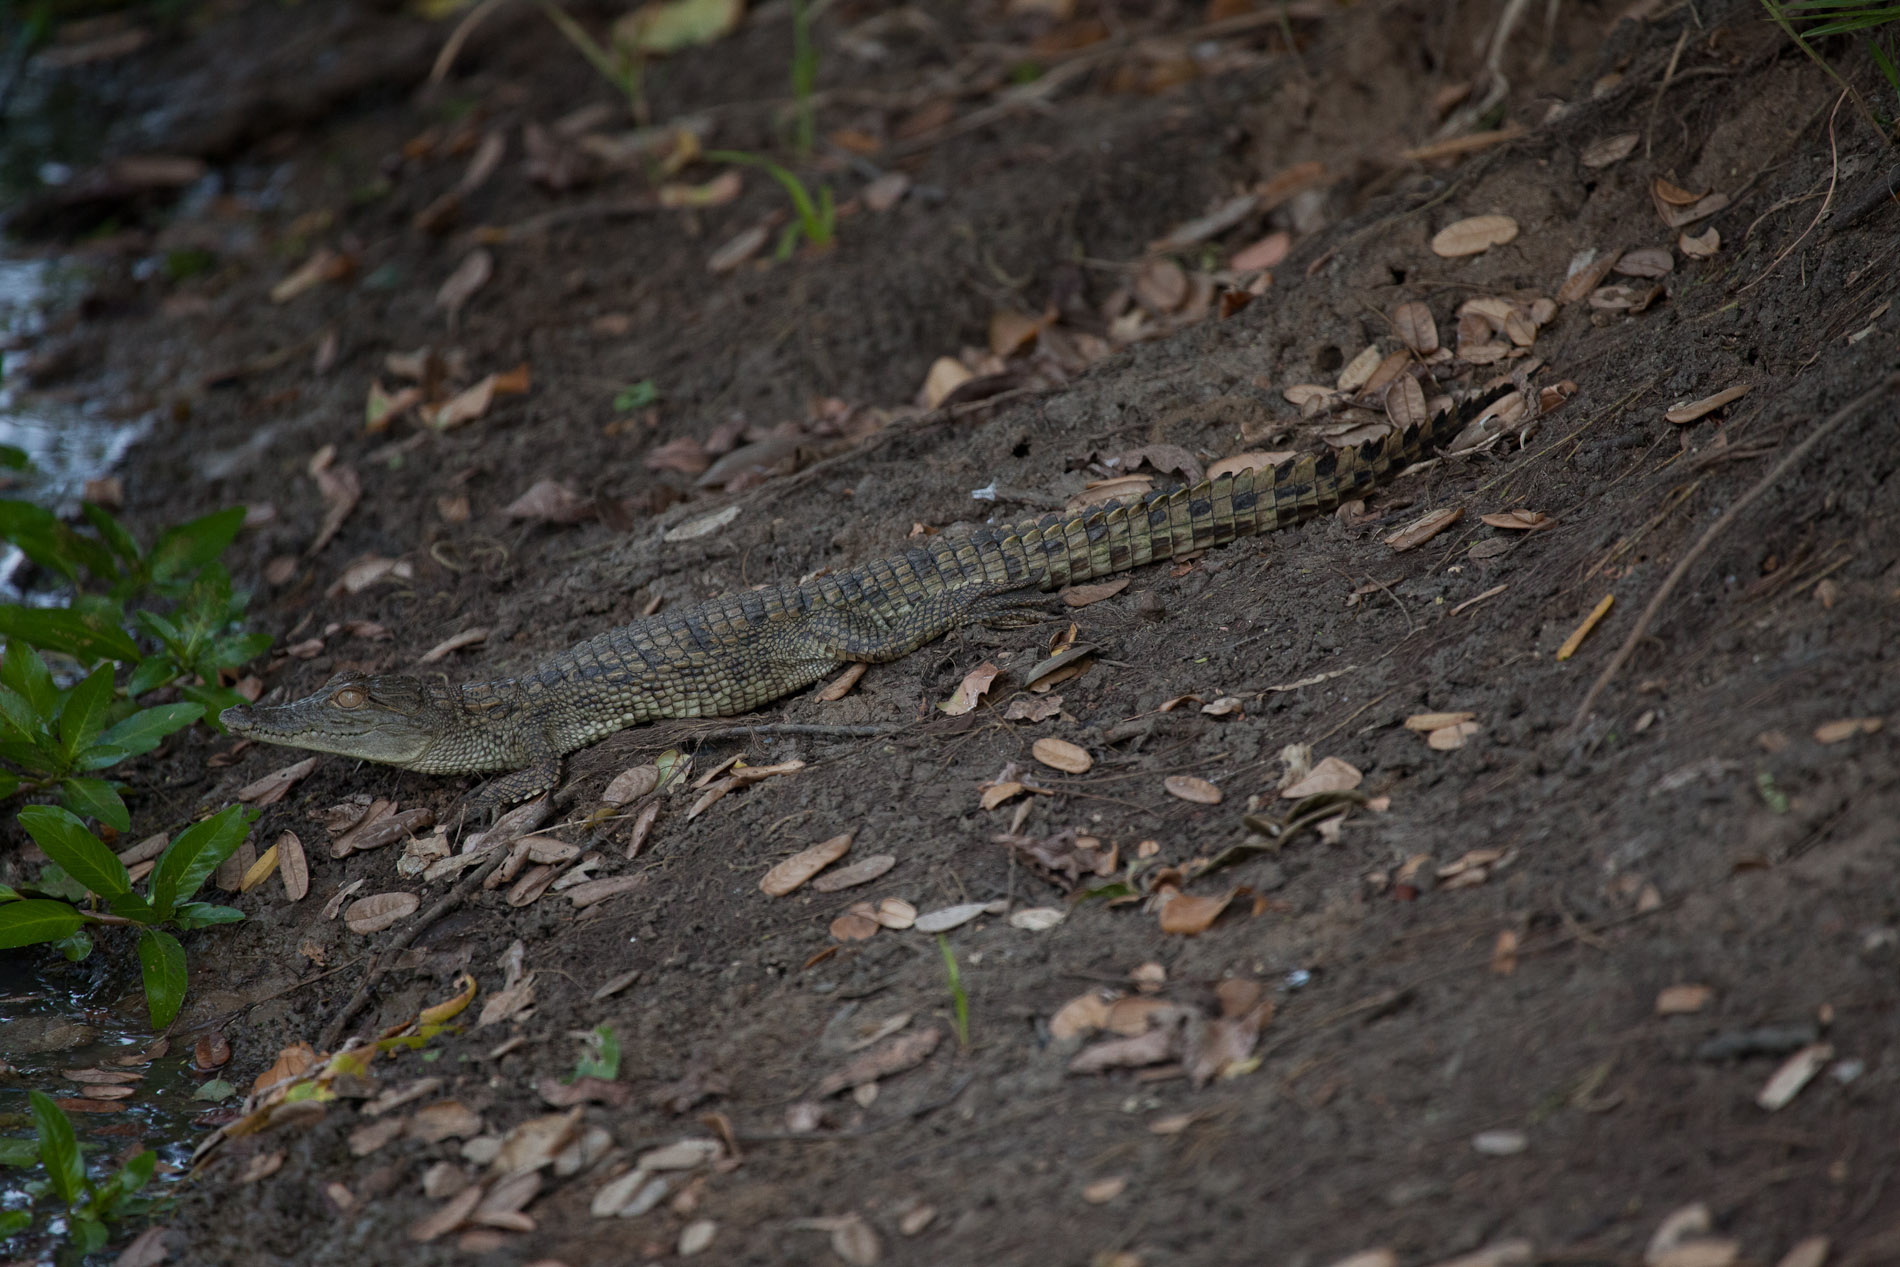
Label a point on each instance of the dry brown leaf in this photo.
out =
(1388, 372)
(1060, 754)
(1690, 411)
(998, 793)
(1424, 528)
(1405, 403)
(1188, 915)
(259, 871)
(1681, 1000)
(971, 690)
(1647, 261)
(1161, 285)
(1080, 1016)
(1358, 371)
(550, 501)
(1448, 738)
(863, 871)
(1102, 1191)
(1310, 397)
(1162, 1042)
(1587, 271)
(275, 786)
(1810, 1251)
(1189, 788)
(946, 918)
(1426, 722)
(465, 406)
(1609, 149)
(1473, 236)
(1795, 1073)
(1519, 520)
(803, 865)
(684, 456)
(1083, 595)
(1846, 728)
(382, 910)
(453, 643)
(293, 865)
(894, 913)
(853, 925)
(894, 1056)
(1329, 775)
(324, 265)
(1229, 213)
(1677, 217)
(886, 191)
(945, 376)
(1413, 323)
(1012, 331)
(717, 192)
(1268, 252)
(469, 276)
(448, 1217)
(1701, 247)
(739, 248)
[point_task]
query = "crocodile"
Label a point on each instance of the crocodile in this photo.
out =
(735, 653)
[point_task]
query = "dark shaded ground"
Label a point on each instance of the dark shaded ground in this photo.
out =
(1691, 832)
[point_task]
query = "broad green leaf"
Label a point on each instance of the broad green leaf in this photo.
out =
(8, 893)
(189, 546)
(145, 729)
(82, 636)
(21, 717)
(95, 798)
(36, 531)
(166, 632)
(132, 1176)
(13, 1222)
(153, 672)
(235, 649)
(162, 961)
(59, 1147)
(9, 784)
(14, 458)
(24, 671)
(133, 907)
(52, 881)
(31, 921)
(19, 1152)
(112, 532)
(37, 758)
(190, 915)
(195, 854)
(87, 1234)
(83, 855)
(83, 715)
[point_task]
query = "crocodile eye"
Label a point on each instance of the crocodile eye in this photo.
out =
(350, 697)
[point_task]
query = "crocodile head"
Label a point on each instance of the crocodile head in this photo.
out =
(394, 720)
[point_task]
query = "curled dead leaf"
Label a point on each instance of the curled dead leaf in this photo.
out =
(1690, 411)
(1190, 788)
(1187, 915)
(1519, 520)
(1328, 775)
(1424, 528)
(971, 690)
(379, 911)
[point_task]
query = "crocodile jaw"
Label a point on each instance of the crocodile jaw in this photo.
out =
(394, 727)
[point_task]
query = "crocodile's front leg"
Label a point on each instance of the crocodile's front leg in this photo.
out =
(541, 772)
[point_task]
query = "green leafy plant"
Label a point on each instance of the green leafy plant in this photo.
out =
(61, 736)
(1804, 21)
(637, 396)
(816, 219)
(167, 903)
(602, 1057)
(804, 80)
(959, 1001)
(90, 1206)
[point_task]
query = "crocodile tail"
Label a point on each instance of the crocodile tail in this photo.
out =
(1066, 549)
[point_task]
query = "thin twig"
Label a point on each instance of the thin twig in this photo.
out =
(1833, 177)
(1834, 423)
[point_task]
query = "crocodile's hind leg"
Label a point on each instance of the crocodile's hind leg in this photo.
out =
(851, 633)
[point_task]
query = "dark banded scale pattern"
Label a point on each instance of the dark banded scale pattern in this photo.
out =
(735, 653)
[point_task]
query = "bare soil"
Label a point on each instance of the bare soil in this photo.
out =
(1692, 831)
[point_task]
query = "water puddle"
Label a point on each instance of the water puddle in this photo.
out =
(67, 443)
